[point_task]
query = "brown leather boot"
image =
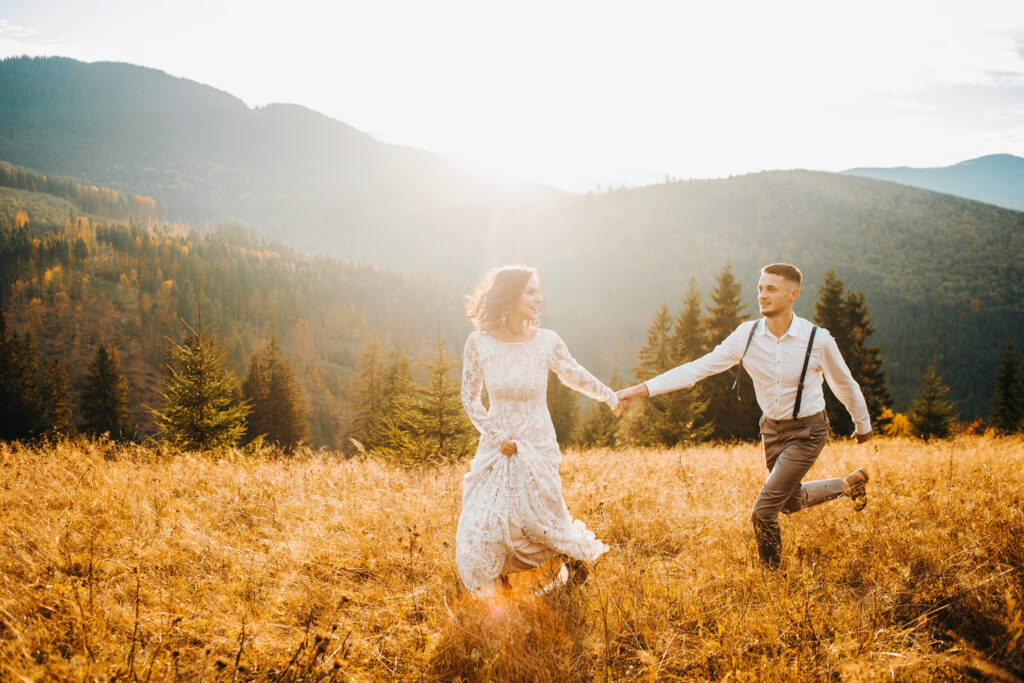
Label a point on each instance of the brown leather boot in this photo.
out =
(856, 488)
(578, 571)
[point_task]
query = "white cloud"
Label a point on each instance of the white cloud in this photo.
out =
(7, 29)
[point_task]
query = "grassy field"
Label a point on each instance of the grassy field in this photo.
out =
(135, 564)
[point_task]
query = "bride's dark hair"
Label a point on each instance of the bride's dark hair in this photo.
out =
(498, 288)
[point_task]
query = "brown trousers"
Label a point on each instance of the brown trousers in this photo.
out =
(790, 449)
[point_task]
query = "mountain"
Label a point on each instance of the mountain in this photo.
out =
(995, 179)
(207, 155)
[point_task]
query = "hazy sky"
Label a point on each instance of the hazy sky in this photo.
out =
(577, 93)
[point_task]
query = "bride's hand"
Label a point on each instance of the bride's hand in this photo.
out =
(617, 410)
(508, 446)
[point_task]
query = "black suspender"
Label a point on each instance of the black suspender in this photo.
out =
(736, 382)
(803, 373)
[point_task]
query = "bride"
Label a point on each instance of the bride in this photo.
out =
(513, 516)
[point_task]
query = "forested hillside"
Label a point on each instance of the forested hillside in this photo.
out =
(83, 283)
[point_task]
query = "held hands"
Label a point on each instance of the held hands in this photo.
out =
(630, 394)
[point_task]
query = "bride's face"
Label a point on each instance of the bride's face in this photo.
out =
(529, 302)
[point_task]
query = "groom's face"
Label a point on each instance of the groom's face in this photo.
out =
(776, 294)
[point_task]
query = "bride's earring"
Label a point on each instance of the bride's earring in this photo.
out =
(504, 318)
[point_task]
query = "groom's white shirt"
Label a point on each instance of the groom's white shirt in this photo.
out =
(774, 364)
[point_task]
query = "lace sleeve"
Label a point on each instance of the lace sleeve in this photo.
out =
(575, 376)
(472, 386)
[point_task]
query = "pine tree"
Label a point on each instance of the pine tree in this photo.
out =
(845, 315)
(647, 426)
(689, 337)
(865, 361)
(397, 432)
(657, 353)
(445, 427)
(686, 409)
(730, 418)
(364, 394)
(278, 411)
(58, 420)
(19, 397)
(830, 311)
(1008, 401)
(201, 411)
(563, 406)
(254, 390)
(931, 413)
(676, 417)
(105, 396)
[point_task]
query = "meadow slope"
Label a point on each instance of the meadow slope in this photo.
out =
(138, 564)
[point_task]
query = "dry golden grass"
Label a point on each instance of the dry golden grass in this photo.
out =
(131, 563)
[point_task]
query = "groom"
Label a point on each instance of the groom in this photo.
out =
(787, 357)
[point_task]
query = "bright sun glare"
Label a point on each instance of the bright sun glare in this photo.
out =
(574, 94)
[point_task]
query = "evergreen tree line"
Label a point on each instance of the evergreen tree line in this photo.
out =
(204, 406)
(396, 417)
(35, 403)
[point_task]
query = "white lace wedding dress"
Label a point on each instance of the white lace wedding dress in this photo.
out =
(523, 490)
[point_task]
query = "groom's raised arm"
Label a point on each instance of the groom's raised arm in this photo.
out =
(719, 359)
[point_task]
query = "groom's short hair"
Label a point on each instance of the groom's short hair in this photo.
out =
(787, 271)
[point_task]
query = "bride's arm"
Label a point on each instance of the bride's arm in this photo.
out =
(472, 386)
(575, 376)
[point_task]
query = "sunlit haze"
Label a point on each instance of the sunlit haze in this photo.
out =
(577, 94)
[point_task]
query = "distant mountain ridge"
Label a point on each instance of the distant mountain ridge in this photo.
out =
(207, 155)
(995, 179)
